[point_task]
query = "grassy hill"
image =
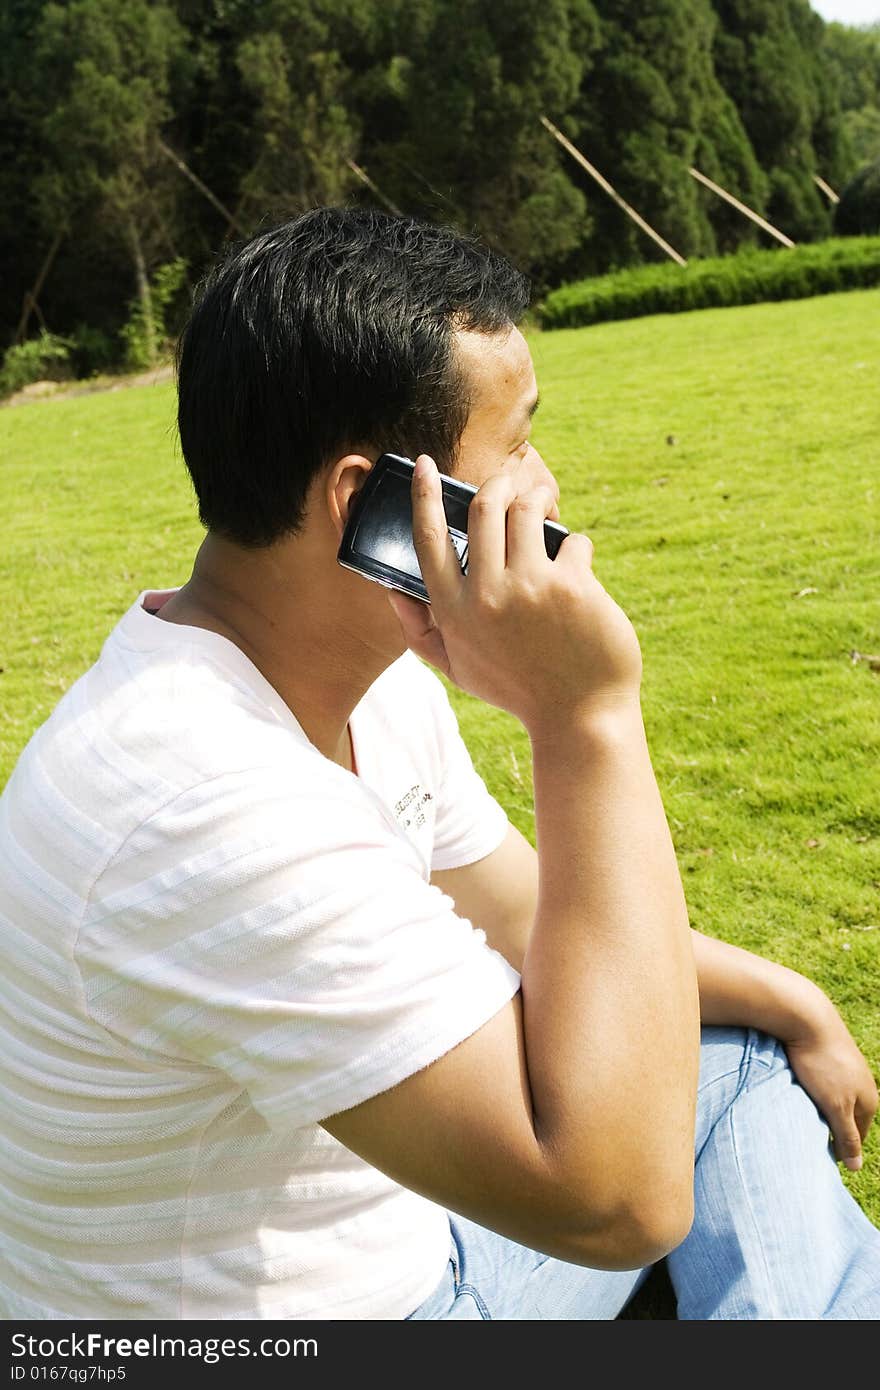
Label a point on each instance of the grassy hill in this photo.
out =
(725, 465)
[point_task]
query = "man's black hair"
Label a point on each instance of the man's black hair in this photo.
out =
(330, 332)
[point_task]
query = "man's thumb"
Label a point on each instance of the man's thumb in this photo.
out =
(848, 1145)
(420, 632)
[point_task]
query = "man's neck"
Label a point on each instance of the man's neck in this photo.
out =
(272, 611)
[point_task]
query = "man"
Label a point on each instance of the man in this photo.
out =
(300, 1026)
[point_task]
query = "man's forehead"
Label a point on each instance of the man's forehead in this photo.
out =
(498, 367)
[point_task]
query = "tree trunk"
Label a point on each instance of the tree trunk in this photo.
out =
(29, 304)
(143, 290)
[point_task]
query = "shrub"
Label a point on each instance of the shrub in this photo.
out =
(165, 286)
(748, 277)
(46, 358)
(92, 351)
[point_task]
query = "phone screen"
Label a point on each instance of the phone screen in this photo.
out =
(384, 528)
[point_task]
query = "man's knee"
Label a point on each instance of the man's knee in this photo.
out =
(731, 1059)
(724, 1051)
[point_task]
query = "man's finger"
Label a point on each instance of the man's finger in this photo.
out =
(438, 560)
(487, 529)
(525, 529)
(865, 1110)
(414, 617)
(420, 632)
(847, 1144)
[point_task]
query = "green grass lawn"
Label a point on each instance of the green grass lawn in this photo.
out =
(725, 465)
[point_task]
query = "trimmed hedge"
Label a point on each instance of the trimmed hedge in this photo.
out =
(749, 277)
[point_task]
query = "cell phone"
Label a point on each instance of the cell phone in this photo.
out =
(377, 541)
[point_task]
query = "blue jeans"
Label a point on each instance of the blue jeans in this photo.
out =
(776, 1234)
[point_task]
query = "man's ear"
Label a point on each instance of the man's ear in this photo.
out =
(344, 480)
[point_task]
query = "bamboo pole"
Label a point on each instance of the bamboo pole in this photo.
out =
(202, 187)
(826, 189)
(29, 302)
(365, 178)
(741, 207)
(612, 192)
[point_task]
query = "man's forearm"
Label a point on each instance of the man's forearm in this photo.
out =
(737, 987)
(609, 986)
(745, 990)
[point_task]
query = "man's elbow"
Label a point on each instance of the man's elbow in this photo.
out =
(637, 1233)
(657, 1228)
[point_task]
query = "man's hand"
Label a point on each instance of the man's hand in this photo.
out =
(539, 638)
(833, 1072)
(747, 991)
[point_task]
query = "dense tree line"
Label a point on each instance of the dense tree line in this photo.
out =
(137, 135)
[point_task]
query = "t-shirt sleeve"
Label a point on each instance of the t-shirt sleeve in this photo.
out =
(469, 823)
(290, 942)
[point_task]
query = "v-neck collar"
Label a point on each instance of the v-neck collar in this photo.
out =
(146, 630)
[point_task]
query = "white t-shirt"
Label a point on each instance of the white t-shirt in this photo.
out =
(212, 938)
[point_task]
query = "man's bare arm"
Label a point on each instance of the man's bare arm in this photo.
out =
(499, 894)
(567, 1121)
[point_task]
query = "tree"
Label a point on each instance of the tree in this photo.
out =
(650, 108)
(854, 57)
(268, 103)
(107, 70)
(768, 55)
(303, 131)
(451, 111)
(24, 240)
